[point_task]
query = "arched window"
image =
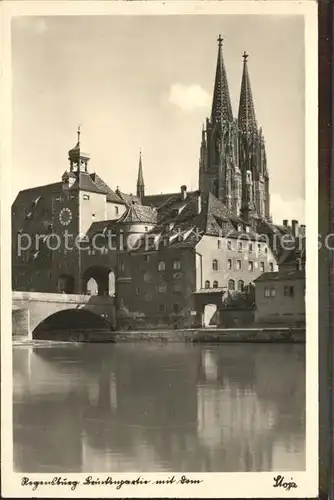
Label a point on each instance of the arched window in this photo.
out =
(215, 265)
(176, 308)
(231, 285)
(161, 265)
(215, 284)
(240, 286)
(207, 284)
(162, 287)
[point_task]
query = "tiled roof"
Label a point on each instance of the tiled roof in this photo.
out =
(85, 183)
(138, 214)
(281, 276)
(128, 198)
(164, 199)
(181, 225)
(210, 290)
(111, 195)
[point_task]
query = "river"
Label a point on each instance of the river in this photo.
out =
(151, 407)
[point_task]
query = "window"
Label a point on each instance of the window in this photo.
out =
(161, 308)
(176, 264)
(207, 284)
(116, 210)
(177, 288)
(215, 265)
(288, 291)
(229, 245)
(161, 266)
(162, 287)
(262, 267)
(271, 267)
(251, 266)
(240, 246)
(219, 244)
(121, 266)
(176, 308)
(267, 292)
(272, 292)
(229, 264)
(146, 228)
(137, 291)
(266, 250)
(215, 284)
(250, 248)
(86, 196)
(231, 285)
(259, 247)
(238, 265)
(147, 258)
(241, 286)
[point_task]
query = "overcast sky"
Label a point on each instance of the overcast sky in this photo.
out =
(146, 82)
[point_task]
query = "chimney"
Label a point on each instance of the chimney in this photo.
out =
(295, 228)
(285, 223)
(199, 202)
(183, 192)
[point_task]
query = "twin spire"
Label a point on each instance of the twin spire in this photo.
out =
(221, 104)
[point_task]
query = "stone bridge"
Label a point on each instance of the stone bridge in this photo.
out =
(35, 314)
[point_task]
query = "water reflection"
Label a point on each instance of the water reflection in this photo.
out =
(159, 407)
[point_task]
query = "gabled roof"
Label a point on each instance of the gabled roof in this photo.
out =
(128, 198)
(84, 182)
(111, 195)
(163, 199)
(281, 276)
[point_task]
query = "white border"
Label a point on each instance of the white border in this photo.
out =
(218, 485)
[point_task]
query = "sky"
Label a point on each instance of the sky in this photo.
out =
(146, 82)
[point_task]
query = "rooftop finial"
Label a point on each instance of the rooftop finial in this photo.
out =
(79, 132)
(220, 40)
(245, 56)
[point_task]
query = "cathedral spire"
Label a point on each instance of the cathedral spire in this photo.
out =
(221, 104)
(246, 115)
(140, 180)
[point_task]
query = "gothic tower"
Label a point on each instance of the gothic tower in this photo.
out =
(233, 161)
(140, 181)
(252, 154)
(218, 165)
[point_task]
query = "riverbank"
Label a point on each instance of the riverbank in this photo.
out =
(216, 335)
(199, 335)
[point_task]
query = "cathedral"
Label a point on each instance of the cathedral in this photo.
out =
(233, 162)
(174, 252)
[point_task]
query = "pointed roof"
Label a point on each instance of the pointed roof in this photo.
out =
(138, 214)
(140, 180)
(221, 103)
(246, 114)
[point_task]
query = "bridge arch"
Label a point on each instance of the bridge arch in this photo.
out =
(99, 280)
(69, 320)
